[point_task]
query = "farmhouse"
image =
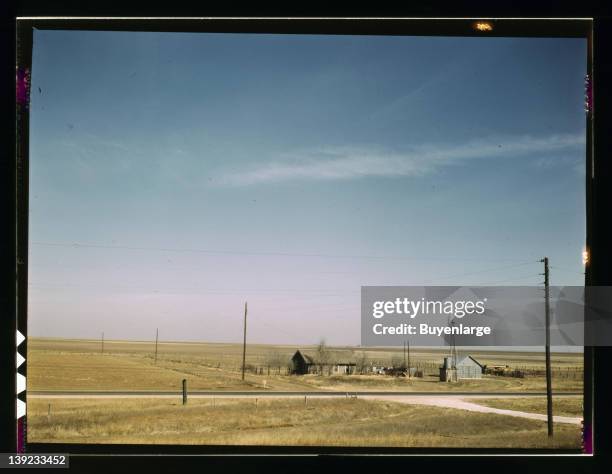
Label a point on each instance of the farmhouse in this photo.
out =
(466, 367)
(302, 363)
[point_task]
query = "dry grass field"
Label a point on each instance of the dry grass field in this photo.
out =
(55, 364)
(561, 406)
(284, 422)
(65, 365)
(431, 383)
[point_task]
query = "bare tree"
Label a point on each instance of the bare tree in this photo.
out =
(276, 360)
(362, 363)
(323, 355)
(397, 362)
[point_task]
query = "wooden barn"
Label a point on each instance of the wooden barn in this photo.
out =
(302, 364)
(466, 367)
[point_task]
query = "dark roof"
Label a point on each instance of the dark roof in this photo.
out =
(311, 359)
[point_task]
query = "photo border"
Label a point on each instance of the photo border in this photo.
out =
(581, 28)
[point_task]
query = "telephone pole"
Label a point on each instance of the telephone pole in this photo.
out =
(156, 338)
(453, 355)
(549, 410)
(453, 349)
(408, 350)
(102, 342)
(244, 340)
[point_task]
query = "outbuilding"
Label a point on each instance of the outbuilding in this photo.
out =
(302, 364)
(466, 367)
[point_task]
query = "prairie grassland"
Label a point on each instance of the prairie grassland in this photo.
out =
(561, 406)
(229, 355)
(55, 364)
(48, 370)
(226, 356)
(283, 422)
(431, 383)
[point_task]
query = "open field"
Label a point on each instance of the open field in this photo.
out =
(230, 354)
(287, 422)
(56, 364)
(431, 383)
(561, 406)
(69, 365)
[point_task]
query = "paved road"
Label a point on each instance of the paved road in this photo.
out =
(276, 394)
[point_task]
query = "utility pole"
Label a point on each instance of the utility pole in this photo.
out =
(244, 340)
(408, 350)
(103, 343)
(549, 407)
(404, 353)
(453, 348)
(156, 338)
(453, 355)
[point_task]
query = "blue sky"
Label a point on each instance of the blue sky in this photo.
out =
(197, 171)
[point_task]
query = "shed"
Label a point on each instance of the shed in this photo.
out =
(302, 363)
(466, 367)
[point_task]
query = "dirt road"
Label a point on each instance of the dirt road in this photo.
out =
(461, 403)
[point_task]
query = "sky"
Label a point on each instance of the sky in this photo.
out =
(175, 176)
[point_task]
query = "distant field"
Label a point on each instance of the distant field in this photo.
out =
(80, 365)
(55, 364)
(230, 355)
(322, 422)
(561, 406)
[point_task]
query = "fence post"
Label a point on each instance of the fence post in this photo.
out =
(184, 391)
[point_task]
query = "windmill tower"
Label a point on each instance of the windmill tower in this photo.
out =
(453, 349)
(448, 371)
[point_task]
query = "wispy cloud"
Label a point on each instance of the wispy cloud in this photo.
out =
(548, 161)
(344, 163)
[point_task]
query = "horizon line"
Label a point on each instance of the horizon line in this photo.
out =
(357, 346)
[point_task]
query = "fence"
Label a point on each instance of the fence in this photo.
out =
(265, 370)
(566, 373)
(421, 368)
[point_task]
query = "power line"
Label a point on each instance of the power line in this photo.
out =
(288, 291)
(77, 245)
(566, 269)
(488, 270)
(266, 291)
(524, 277)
